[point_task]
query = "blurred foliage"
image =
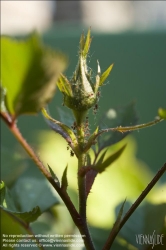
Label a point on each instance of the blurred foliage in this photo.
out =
(14, 165)
(26, 62)
(120, 116)
(138, 75)
(29, 194)
(127, 177)
(17, 226)
(115, 182)
(145, 223)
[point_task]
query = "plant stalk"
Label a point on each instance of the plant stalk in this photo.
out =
(132, 128)
(132, 209)
(82, 184)
(79, 222)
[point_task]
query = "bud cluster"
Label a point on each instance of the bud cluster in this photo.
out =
(80, 93)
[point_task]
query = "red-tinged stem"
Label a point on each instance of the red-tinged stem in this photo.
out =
(78, 220)
(114, 233)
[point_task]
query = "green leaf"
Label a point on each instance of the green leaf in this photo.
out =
(34, 191)
(100, 167)
(29, 72)
(118, 220)
(27, 217)
(66, 117)
(145, 220)
(64, 183)
(105, 75)
(162, 113)
(7, 203)
(122, 116)
(11, 162)
(12, 225)
(99, 236)
(53, 175)
(2, 192)
(16, 226)
(6, 198)
(101, 157)
(155, 222)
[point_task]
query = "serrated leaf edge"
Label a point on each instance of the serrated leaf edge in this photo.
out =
(113, 157)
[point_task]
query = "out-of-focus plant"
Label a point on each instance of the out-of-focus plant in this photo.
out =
(29, 76)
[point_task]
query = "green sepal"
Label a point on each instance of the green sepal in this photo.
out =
(97, 84)
(82, 41)
(54, 175)
(105, 75)
(63, 130)
(87, 44)
(91, 140)
(64, 85)
(64, 182)
(162, 113)
(106, 163)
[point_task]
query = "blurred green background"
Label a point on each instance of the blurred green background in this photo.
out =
(139, 74)
(132, 35)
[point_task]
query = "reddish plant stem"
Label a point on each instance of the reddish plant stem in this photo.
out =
(78, 220)
(114, 233)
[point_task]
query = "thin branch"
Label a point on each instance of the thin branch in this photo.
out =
(78, 220)
(14, 129)
(132, 128)
(124, 129)
(113, 234)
